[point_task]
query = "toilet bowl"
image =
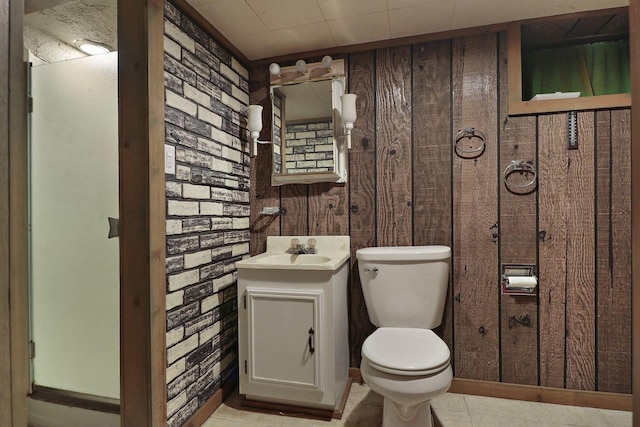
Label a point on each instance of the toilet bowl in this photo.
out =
(408, 367)
(404, 360)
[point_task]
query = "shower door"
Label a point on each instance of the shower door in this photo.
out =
(73, 190)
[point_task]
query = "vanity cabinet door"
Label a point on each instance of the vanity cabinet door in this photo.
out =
(284, 344)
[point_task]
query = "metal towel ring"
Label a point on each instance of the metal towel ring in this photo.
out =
(522, 167)
(469, 133)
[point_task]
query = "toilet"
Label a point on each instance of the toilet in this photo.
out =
(405, 289)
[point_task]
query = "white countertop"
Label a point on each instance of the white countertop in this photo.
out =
(335, 248)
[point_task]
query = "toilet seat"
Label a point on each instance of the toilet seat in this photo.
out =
(406, 351)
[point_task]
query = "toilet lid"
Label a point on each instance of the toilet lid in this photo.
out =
(406, 351)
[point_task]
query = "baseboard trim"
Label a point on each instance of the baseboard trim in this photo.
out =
(355, 375)
(591, 399)
(293, 410)
(76, 400)
(205, 411)
(531, 393)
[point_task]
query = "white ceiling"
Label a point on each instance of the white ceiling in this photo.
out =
(268, 28)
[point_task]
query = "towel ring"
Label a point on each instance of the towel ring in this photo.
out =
(522, 167)
(469, 133)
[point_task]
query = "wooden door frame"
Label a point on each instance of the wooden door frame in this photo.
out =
(143, 391)
(142, 214)
(14, 325)
(634, 39)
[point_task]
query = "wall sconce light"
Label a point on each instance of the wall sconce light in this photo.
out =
(275, 70)
(327, 62)
(254, 124)
(301, 66)
(349, 115)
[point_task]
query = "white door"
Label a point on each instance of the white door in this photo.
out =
(284, 344)
(74, 188)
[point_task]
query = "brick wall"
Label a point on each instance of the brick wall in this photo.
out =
(309, 147)
(206, 94)
(277, 132)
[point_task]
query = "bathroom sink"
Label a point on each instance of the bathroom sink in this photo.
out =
(332, 253)
(302, 259)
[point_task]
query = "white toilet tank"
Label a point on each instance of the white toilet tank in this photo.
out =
(405, 286)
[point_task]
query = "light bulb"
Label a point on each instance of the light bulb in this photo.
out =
(275, 70)
(327, 62)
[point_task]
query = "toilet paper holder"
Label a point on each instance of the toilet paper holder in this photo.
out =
(519, 279)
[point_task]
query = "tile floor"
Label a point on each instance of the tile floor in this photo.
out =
(364, 409)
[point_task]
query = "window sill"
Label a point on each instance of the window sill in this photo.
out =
(517, 107)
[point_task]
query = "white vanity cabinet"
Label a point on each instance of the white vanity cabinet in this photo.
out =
(283, 330)
(293, 335)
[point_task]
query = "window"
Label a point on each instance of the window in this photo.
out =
(585, 58)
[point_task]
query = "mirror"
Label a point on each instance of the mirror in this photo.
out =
(308, 146)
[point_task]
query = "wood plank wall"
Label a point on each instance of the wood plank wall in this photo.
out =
(475, 211)
(407, 187)
(518, 242)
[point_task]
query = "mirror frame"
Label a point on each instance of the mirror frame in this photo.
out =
(315, 72)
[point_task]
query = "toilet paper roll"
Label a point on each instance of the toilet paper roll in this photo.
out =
(519, 282)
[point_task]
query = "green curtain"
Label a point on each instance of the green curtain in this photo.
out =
(592, 69)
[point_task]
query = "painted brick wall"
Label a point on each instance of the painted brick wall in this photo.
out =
(206, 94)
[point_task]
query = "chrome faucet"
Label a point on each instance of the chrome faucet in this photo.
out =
(311, 247)
(297, 248)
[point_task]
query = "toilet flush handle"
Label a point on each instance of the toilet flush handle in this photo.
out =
(371, 270)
